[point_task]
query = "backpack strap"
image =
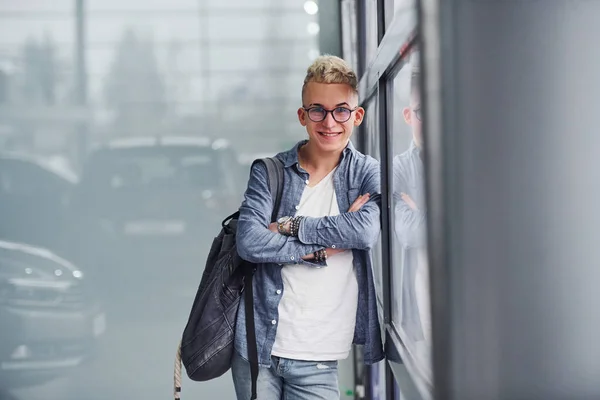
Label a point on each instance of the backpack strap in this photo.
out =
(275, 174)
(250, 328)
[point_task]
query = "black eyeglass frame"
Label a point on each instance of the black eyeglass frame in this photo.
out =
(417, 112)
(329, 111)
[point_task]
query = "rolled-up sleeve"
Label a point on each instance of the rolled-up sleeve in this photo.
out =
(409, 225)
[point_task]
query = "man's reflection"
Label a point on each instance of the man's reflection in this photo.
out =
(410, 222)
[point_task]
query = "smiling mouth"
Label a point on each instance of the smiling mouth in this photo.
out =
(329, 134)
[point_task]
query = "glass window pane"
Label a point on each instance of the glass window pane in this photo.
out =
(388, 10)
(410, 297)
(371, 130)
(261, 27)
(378, 384)
(371, 122)
(404, 4)
(349, 33)
(371, 39)
(397, 394)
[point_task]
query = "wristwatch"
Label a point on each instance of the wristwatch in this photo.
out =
(281, 225)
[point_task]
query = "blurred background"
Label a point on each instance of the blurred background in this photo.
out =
(126, 133)
(127, 129)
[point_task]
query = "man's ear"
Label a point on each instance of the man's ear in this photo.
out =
(302, 116)
(407, 113)
(359, 115)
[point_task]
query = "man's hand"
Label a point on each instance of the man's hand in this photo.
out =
(357, 205)
(330, 252)
(359, 202)
(408, 200)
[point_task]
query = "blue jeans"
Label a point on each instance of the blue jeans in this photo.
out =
(287, 380)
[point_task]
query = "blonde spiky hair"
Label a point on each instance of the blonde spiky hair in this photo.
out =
(330, 69)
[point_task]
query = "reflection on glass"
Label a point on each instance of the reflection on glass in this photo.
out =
(349, 33)
(371, 125)
(371, 39)
(378, 382)
(404, 4)
(410, 303)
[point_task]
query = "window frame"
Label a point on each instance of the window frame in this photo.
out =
(396, 40)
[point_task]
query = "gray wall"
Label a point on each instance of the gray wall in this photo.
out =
(519, 93)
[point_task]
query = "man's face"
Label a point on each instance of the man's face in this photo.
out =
(412, 116)
(330, 135)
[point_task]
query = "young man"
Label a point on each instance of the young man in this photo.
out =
(409, 178)
(410, 222)
(313, 290)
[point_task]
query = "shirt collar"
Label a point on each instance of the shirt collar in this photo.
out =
(290, 157)
(414, 150)
(413, 147)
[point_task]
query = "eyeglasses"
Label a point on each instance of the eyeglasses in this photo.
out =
(417, 112)
(339, 114)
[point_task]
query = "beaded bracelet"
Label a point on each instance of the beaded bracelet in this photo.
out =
(320, 255)
(295, 225)
(317, 256)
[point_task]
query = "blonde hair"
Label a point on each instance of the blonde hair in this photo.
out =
(330, 69)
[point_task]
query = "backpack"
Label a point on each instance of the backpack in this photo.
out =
(207, 344)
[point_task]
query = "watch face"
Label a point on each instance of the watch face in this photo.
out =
(282, 220)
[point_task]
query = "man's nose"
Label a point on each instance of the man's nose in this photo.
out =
(329, 122)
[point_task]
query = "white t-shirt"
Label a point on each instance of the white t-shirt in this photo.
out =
(317, 312)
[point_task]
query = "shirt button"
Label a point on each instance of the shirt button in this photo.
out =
(306, 181)
(333, 246)
(297, 207)
(278, 291)
(273, 322)
(292, 258)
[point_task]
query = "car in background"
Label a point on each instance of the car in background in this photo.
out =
(34, 201)
(155, 200)
(50, 321)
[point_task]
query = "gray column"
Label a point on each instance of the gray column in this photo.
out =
(512, 131)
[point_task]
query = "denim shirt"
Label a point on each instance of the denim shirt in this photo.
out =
(356, 174)
(411, 233)
(409, 177)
